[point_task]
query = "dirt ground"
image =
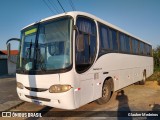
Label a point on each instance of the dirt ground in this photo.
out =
(132, 98)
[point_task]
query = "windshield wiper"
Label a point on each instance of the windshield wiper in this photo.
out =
(30, 49)
(40, 60)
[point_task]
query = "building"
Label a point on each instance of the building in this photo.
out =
(7, 67)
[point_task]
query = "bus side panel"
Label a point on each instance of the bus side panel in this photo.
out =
(86, 88)
(125, 68)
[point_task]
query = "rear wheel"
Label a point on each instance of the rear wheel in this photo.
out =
(106, 93)
(142, 82)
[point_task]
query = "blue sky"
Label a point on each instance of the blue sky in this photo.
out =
(138, 17)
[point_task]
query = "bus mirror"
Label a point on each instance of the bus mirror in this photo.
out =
(80, 43)
(9, 49)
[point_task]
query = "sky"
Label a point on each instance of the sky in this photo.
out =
(138, 17)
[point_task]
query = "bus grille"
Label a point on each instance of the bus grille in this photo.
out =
(36, 89)
(38, 98)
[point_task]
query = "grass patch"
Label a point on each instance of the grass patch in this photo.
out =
(155, 76)
(156, 69)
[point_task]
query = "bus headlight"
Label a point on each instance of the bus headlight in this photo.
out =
(59, 88)
(20, 85)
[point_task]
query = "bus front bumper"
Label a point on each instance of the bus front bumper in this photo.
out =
(63, 100)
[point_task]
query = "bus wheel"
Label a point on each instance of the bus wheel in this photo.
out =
(142, 82)
(106, 93)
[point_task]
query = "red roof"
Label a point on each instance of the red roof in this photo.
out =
(13, 52)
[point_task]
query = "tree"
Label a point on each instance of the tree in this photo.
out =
(156, 56)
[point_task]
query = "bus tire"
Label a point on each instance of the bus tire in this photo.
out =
(142, 82)
(137, 83)
(106, 93)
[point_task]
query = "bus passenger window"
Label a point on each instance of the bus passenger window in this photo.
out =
(104, 38)
(113, 39)
(150, 50)
(124, 43)
(134, 46)
(141, 48)
(148, 53)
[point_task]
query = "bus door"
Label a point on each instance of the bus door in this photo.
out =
(86, 46)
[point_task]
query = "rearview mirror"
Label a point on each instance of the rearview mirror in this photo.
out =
(80, 43)
(9, 49)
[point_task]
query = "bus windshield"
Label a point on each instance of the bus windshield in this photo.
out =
(46, 46)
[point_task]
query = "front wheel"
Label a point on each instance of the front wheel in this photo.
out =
(106, 93)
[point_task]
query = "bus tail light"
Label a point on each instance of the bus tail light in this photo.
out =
(20, 85)
(59, 88)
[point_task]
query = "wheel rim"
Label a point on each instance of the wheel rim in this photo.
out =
(105, 92)
(144, 77)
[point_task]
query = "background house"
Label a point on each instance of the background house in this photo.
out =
(7, 67)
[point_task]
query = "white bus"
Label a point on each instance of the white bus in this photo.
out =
(68, 60)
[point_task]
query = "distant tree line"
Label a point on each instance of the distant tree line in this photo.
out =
(156, 56)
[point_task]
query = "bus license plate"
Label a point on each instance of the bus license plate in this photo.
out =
(37, 102)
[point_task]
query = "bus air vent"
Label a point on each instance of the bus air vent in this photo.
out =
(36, 89)
(38, 98)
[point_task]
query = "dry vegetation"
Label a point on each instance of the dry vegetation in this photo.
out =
(156, 56)
(155, 76)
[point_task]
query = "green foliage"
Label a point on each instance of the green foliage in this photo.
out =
(156, 69)
(155, 76)
(156, 56)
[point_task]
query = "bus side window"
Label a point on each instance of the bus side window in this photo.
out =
(104, 38)
(124, 43)
(113, 39)
(134, 46)
(150, 50)
(141, 48)
(145, 49)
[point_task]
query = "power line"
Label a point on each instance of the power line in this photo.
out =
(54, 6)
(48, 6)
(72, 5)
(61, 6)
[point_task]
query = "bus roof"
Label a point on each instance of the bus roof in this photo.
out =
(75, 13)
